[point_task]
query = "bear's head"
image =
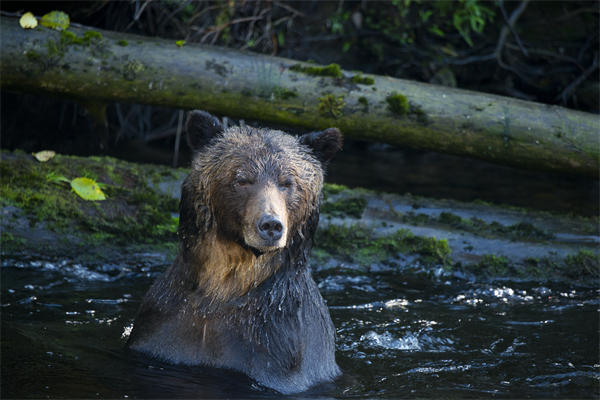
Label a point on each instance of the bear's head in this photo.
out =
(257, 189)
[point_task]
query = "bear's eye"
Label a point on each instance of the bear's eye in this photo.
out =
(286, 184)
(242, 181)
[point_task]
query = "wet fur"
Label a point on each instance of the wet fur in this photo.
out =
(224, 302)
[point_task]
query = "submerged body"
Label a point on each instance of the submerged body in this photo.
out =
(240, 294)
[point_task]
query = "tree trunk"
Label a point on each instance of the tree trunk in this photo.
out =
(116, 67)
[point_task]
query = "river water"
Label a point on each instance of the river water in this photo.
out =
(65, 324)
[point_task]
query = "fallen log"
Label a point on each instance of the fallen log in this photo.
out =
(95, 67)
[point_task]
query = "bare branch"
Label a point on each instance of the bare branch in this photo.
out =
(512, 28)
(291, 9)
(568, 92)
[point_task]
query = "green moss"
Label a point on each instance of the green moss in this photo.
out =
(331, 106)
(397, 103)
(352, 207)
(131, 69)
(333, 188)
(33, 56)
(123, 43)
(360, 245)
(492, 265)
(8, 240)
(478, 226)
(90, 35)
(363, 100)
(450, 219)
(366, 80)
(284, 94)
(133, 209)
(53, 49)
(68, 38)
(421, 116)
(333, 70)
(585, 262)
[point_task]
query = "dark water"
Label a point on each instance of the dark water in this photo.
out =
(64, 327)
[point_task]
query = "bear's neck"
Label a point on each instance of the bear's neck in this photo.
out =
(230, 271)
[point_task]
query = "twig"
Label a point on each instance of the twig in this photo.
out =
(161, 28)
(566, 94)
(201, 13)
(587, 44)
(503, 34)
(251, 28)
(291, 9)
(122, 121)
(578, 11)
(17, 14)
(177, 138)
(218, 29)
(512, 28)
(138, 13)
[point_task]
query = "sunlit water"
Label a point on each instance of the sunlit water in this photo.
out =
(64, 327)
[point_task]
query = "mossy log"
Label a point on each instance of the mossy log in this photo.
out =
(102, 66)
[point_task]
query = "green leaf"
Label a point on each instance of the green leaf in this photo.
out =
(56, 20)
(280, 38)
(87, 188)
(180, 43)
(436, 30)
(55, 178)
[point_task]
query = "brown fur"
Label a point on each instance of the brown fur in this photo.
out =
(240, 295)
(230, 270)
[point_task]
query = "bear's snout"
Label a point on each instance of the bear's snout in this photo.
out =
(269, 227)
(266, 220)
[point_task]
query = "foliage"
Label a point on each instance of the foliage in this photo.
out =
(439, 18)
(43, 156)
(87, 189)
(56, 20)
(28, 21)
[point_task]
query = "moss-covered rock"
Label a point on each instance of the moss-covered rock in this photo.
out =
(360, 230)
(136, 210)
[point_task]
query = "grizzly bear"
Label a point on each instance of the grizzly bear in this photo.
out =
(240, 294)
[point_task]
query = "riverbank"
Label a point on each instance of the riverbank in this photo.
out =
(360, 230)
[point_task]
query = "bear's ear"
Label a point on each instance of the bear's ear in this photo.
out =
(323, 144)
(201, 127)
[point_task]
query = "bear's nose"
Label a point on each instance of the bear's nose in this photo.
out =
(269, 227)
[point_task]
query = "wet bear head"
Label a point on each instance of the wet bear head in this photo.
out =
(257, 189)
